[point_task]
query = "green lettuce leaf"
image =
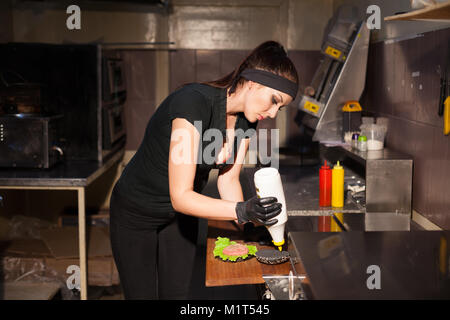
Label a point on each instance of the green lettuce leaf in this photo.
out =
(222, 243)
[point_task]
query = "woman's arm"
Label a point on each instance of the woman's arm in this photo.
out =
(182, 166)
(228, 182)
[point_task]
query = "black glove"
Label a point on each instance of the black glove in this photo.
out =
(259, 210)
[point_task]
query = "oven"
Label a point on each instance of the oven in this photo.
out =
(113, 124)
(113, 79)
(30, 140)
(113, 100)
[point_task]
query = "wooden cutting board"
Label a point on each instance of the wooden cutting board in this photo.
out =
(221, 273)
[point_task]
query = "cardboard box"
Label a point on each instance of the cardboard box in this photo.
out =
(63, 242)
(23, 256)
(97, 220)
(56, 251)
(102, 271)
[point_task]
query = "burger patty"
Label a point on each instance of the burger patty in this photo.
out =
(235, 250)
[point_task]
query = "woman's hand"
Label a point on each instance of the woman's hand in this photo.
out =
(259, 210)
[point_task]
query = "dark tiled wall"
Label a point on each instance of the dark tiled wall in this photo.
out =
(141, 96)
(403, 80)
(190, 65)
(306, 62)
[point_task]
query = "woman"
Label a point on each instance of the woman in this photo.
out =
(156, 203)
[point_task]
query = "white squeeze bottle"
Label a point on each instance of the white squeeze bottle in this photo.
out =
(268, 184)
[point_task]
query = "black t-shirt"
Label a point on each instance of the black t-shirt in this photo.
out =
(144, 181)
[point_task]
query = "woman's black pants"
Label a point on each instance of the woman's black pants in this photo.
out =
(154, 255)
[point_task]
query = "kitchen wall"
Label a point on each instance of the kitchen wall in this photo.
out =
(191, 24)
(243, 24)
(114, 23)
(403, 80)
(405, 61)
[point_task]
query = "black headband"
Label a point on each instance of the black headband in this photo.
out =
(272, 80)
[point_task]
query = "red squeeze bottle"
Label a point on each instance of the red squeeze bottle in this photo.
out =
(325, 186)
(324, 196)
(324, 224)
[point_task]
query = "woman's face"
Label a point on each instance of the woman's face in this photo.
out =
(262, 102)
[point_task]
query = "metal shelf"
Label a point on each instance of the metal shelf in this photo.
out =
(439, 11)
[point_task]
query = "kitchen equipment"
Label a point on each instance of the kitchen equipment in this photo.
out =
(268, 184)
(30, 140)
(17, 95)
(340, 77)
(351, 117)
(73, 78)
(113, 78)
(284, 287)
(114, 95)
(113, 124)
(337, 189)
(375, 134)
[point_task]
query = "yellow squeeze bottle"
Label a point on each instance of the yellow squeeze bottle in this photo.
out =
(337, 186)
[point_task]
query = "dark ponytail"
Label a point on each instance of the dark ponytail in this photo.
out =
(269, 56)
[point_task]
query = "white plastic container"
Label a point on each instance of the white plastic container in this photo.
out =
(367, 120)
(375, 136)
(268, 184)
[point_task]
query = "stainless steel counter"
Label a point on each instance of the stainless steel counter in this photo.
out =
(374, 265)
(66, 174)
(388, 176)
(70, 176)
(301, 187)
(388, 191)
(384, 154)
